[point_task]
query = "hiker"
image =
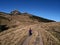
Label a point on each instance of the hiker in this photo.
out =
(30, 32)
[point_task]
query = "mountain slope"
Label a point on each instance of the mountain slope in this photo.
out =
(14, 30)
(41, 35)
(22, 17)
(17, 18)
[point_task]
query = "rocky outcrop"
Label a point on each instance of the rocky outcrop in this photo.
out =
(15, 12)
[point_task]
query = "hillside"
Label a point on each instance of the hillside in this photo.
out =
(17, 17)
(14, 29)
(43, 34)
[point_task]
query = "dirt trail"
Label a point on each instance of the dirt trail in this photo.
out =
(35, 39)
(19, 39)
(27, 40)
(40, 40)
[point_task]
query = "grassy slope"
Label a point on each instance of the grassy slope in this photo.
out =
(14, 35)
(50, 32)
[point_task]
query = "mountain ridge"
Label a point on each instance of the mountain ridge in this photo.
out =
(14, 30)
(15, 18)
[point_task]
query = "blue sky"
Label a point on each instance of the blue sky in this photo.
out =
(49, 9)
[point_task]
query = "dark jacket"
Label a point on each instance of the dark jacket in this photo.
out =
(30, 32)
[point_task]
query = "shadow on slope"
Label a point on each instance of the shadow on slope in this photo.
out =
(3, 27)
(40, 19)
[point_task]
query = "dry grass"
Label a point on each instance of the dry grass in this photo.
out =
(19, 24)
(18, 35)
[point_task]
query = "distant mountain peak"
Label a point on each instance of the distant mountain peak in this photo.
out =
(15, 12)
(25, 15)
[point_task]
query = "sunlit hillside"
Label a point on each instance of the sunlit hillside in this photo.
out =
(14, 30)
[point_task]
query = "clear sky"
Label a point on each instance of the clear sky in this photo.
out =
(49, 9)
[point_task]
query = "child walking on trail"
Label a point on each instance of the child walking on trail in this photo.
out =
(30, 32)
